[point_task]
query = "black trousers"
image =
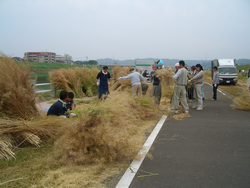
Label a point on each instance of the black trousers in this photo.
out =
(215, 92)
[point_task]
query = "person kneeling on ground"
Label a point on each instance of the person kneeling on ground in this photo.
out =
(58, 108)
(135, 81)
(70, 104)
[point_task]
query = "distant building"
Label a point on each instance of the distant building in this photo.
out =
(48, 57)
(66, 58)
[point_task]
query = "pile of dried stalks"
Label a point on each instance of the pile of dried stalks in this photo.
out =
(17, 99)
(107, 131)
(118, 72)
(167, 81)
(14, 133)
(242, 102)
(81, 81)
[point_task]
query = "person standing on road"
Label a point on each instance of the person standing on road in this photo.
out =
(191, 86)
(179, 93)
(103, 81)
(198, 79)
(215, 83)
(135, 78)
(156, 84)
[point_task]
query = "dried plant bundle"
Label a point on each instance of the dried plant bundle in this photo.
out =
(107, 131)
(14, 133)
(81, 81)
(17, 99)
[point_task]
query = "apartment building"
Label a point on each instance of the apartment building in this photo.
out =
(66, 58)
(48, 57)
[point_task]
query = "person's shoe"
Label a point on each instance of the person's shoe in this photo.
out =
(194, 107)
(199, 108)
(174, 111)
(212, 99)
(186, 111)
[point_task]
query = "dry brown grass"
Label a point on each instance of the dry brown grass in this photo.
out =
(81, 81)
(107, 131)
(118, 72)
(17, 99)
(15, 133)
(242, 102)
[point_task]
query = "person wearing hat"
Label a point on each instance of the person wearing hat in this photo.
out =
(135, 78)
(103, 81)
(198, 79)
(179, 93)
(176, 67)
(156, 84)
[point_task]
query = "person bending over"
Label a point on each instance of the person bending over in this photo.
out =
(70, 104)
(135, 81)
(58, 108)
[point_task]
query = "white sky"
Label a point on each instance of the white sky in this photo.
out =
(127, 29)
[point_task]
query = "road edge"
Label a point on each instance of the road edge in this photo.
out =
(131, 171)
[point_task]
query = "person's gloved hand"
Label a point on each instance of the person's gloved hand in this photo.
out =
(108, 83)
(97, 83)
(189, 81)
(119, 78)
(215, 85)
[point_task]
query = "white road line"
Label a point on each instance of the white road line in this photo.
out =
(221, 92)
(128, 176)
(217, 89)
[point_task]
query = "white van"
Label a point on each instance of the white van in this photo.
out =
(227, 69)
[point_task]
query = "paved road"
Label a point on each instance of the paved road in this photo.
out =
(210, 149)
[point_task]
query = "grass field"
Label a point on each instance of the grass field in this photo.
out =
(243, 67)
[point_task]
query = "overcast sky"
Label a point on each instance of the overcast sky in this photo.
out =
(127, 29)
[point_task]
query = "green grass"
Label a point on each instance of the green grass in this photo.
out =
(243, 67)
(31, 165)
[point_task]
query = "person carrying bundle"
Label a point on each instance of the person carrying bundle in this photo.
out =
(156, 83)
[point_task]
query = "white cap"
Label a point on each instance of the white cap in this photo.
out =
(176, 65)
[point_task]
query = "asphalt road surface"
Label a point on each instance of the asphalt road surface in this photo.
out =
(209, 149)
